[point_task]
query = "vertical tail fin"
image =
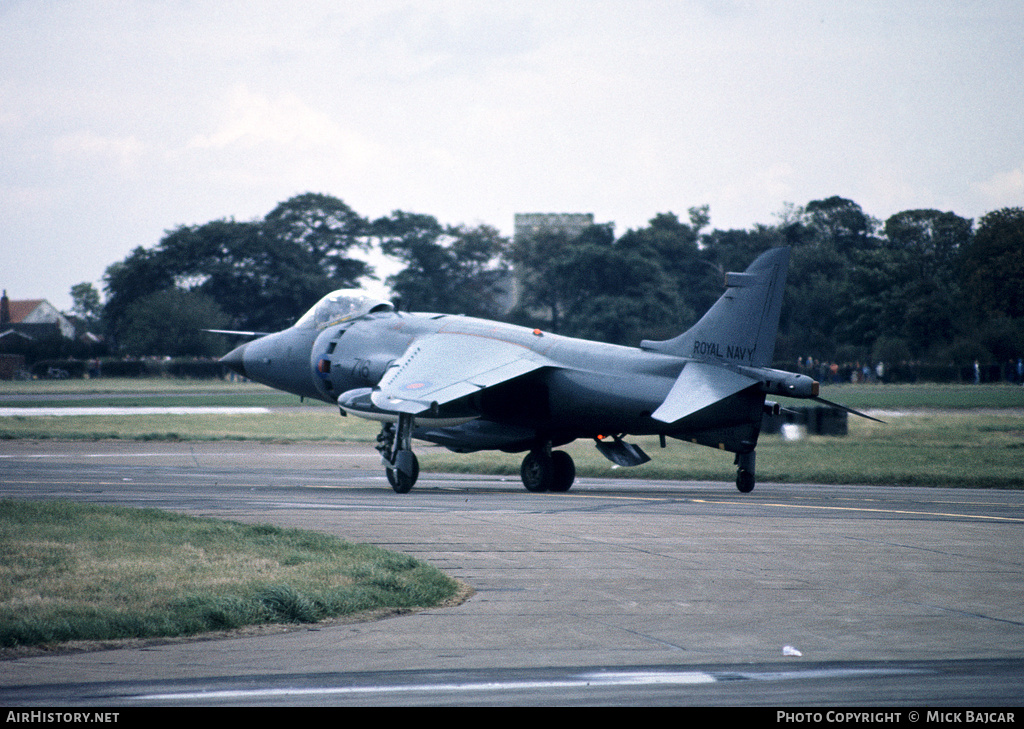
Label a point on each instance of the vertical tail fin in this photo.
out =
(741, 327)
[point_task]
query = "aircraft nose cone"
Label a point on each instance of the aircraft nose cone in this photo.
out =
(235, 359)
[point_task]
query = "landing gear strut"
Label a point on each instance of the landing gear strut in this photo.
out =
(395, 446)
(547, 470)
(745, 472)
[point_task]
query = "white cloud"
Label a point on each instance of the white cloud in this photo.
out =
(262, 140)
(1004, 189)
(123, 119)
(250, 119)
(99, 150)
(762, 191)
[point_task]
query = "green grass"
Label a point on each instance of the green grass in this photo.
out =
(128, 385)
(149, 392)
(953, 448)
(81, 573)
(74, 572)
(198, 392)
(943, 397)
(313, 424)
(937, 435)
(212, 399)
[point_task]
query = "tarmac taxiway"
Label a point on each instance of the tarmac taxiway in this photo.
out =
(617, 592)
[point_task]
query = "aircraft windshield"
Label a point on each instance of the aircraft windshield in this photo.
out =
(339, 306)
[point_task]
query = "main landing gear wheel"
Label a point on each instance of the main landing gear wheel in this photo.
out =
(565, 472)
(543, 471)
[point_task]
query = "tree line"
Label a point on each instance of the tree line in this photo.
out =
(923, 285)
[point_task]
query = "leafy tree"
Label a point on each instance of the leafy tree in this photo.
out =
(993, 265)
(447, 269)
(170, 323)
(924, 284)
(595, 287)
(542, 271)
(479, 270)
(618, 295)
(262, 274)
(816, 294)
(700, 217)
(841, 223)
(822, 308)
(673, 245)
(86, 304)
(260, 281)
(933, 239)
(849, 287)
(906, 289)
(326, 229)
(142, 273)
(734, 250)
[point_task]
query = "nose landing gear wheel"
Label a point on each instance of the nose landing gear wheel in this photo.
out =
(401, 482)
(401, 466)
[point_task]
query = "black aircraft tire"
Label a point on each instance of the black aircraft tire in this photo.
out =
(744, 481)
(537, 472)
(400, 482)
(564, 472)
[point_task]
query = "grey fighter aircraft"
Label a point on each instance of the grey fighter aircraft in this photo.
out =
(471, 384)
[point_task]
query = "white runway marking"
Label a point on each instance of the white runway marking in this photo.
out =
(625, 678)
(603, 679)
(62, 412)
(173, 454)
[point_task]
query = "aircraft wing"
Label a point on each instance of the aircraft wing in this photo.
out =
(698, 386)
(445, 367)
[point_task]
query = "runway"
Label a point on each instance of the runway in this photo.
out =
(617, 592)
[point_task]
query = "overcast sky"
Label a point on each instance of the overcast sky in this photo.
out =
(122, 119)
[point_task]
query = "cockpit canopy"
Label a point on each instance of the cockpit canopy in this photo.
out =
(339, 306)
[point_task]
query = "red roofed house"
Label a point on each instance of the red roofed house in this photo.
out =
(33, 318)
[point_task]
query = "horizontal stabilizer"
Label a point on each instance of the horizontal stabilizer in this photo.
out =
(741, 280)
(698, 386)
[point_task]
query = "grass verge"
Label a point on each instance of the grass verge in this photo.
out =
(936, 435)
(309, 424)
(960, 449)
(76, 572)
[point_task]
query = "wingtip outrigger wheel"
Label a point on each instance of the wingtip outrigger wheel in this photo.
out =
(745, 472)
